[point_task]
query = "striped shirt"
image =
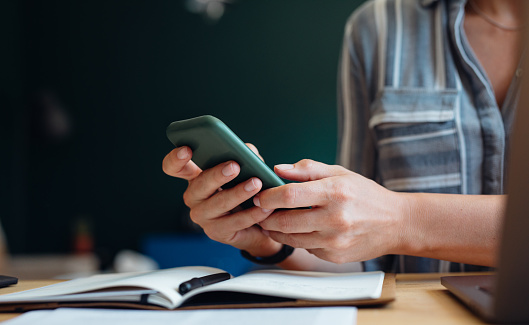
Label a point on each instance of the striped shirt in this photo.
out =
(417, 112)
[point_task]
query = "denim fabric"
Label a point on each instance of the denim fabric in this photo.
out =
(417, 112)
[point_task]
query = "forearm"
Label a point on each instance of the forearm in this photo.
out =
(458, 228)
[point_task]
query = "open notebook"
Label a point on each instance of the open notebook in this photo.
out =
(159, 290)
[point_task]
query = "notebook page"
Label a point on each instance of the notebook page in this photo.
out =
(164, 281)
(304, 285)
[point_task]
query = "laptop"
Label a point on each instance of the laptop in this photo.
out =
(504, 297)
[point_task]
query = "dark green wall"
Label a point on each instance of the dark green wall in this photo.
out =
(121, 72)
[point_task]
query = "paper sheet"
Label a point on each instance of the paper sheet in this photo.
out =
(305, 285)
(262, 316)
(163, 281)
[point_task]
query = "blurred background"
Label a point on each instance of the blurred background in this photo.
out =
(88, 88)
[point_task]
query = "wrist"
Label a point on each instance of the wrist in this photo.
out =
(407, 209)
(263, 249)
(277, 258)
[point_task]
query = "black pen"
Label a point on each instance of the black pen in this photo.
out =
(203, 281)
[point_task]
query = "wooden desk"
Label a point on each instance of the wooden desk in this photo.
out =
(421, 299)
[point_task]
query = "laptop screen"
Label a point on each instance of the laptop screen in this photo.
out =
(511, 301)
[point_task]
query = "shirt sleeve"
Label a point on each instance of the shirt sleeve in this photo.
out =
(356, 150)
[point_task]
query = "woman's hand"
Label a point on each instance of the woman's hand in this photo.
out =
(215, 210)
(352, 218)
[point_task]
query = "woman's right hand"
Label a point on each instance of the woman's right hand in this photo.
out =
(215, 209)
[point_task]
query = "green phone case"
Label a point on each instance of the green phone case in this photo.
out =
(212, 143)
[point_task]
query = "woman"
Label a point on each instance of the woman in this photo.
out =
(427, 97)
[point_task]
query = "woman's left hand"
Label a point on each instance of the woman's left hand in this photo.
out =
(351, 219)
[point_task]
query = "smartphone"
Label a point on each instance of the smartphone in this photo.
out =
(212, 143)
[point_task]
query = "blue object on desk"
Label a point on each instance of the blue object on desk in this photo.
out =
(172, 250)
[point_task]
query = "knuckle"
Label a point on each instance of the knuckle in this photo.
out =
(221, 203)
(198, 183)
(194, 215)
(218, 234)
(345, 170)
(212, 234)
(187, 199)
(306, 163)
(230, 237)
(165, 166)
(290, 195)
(284, 223)
(230, 240)
(340, 168)
(338, 244)
(341, 222)
(340, 193)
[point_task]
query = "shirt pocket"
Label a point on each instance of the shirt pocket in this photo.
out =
(417, 141)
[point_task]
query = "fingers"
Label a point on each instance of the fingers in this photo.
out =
(228, 229)
(222, 202)
(294, 221)
(293, 195)
(209, 181)
(178, 163)
(332, 249)
(254, 149)
(332, 256)
(322, 184)
(307, 241)
(253, 241)
(308, 170)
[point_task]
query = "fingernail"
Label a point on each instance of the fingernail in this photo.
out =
(182, 153)
(250, 185)
(284, 166)
(266, 233)
(266, 210)
(228, 170)
(256, 201)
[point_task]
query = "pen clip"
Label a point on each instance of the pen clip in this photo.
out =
(203, 281)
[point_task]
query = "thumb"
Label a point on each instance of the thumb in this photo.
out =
(308, 170)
